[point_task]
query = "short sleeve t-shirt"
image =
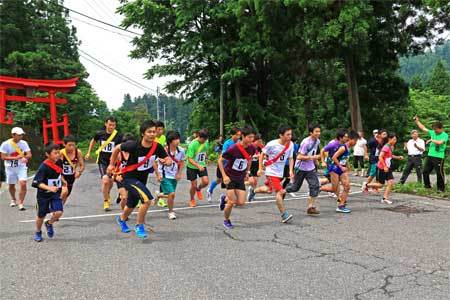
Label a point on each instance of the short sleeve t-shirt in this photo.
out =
(359, 150)
(161, 140)
(228, 143)
(9, 150)
(387, 157)
(137, 154)
(237, 165)
(438, 150)
(373, 150)
(67, 169)
(101, 137)
(47, 176)
(332, 147)
(308, 147)
(197, 152)
(171, 171)
(271, 150)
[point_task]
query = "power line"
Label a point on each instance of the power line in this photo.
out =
(120, 73)
(99, 27)
(94, 19)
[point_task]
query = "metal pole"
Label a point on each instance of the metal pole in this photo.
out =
(164, 114)
(157, 103)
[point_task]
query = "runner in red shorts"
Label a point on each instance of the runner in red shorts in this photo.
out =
(274, 157)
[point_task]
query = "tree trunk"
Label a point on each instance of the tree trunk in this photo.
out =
(237, 92)
(353, 96)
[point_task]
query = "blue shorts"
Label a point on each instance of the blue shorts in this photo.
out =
(136, 191)
(45, 206)
(335, 169)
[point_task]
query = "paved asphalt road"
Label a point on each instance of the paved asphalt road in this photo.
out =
(400, 251)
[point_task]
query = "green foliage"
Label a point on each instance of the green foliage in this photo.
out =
(415, 188)
(439, 81)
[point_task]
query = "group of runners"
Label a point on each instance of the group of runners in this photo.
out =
(128, 161)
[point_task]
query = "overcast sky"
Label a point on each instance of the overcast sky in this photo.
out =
(111, 49)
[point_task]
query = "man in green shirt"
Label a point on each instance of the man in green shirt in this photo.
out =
(436, 154)
(196, 167)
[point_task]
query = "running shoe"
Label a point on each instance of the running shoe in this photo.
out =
(208, 195)
(106, 205)
(38, 236)
(140, 231)
(312, 211)
(223, 201)
(285, 217)
(251, 194)
(192, 203)
(227, 224)
(332, 195)
(162, 203)
(364, 188)
(343, 209)
(387, 201)
(21, 207)
(199, 194)
(12, 203)
(49, 227)
(172, 216)
(122, 224)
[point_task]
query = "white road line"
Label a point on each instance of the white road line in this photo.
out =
(179, 208)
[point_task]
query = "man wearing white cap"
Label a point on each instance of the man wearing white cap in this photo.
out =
(16, 153)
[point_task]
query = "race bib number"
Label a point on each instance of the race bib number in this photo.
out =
(67, 170)
(282, 157)
(108, 148)
(201, 157)
(14, 163)
(343, 161)
(55, 182)
(148, 164)
(377, 152)
(388, 162)
(240, 165)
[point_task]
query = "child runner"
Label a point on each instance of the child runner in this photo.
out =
(121, 163)
(135, 174)
(339, 170)
(160, 138)
(73, 165)
(375, 144)
(275, 154)
(305, 168)
(384, 172)
(286, 177)
(235, 136)
(326, 155)
(108, 139)
(48, 181)
(196, 166)
(170, 175)
(253, 177)
(235, 172)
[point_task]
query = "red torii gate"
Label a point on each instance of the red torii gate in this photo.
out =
(51, 87)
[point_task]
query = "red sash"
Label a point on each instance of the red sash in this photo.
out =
(53, 166)
(273, 160)
(173, 156)
(243, 151)
(135, 166)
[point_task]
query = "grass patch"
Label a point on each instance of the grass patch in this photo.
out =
(415, 188)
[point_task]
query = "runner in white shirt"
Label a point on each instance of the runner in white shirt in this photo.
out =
(169, 175)
(360, 154)
(415, 147)
(16, 153)
(273, 159)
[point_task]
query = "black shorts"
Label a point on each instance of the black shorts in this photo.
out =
(45, 206)
(136, 191)
(236, 185)
(192, 174)
(70, 179)
(383, 176)
(254, 167)
(102, 168)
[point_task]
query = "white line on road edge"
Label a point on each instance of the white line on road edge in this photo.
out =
(177, 209)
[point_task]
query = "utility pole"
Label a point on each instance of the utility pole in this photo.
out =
(164, 113)
(157, 103)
